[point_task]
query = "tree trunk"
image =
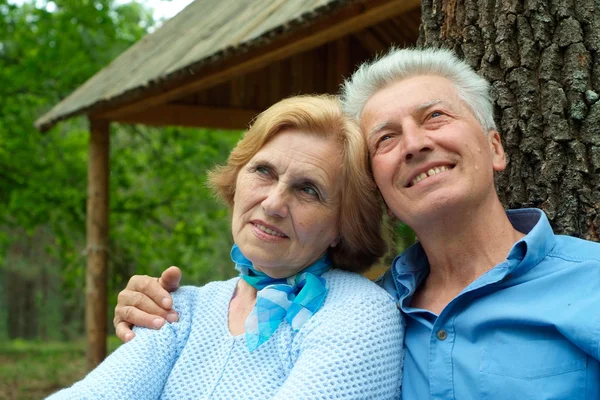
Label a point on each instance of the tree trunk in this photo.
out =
(14, 303)
(45, 289)
(30, 318)
(542, 58)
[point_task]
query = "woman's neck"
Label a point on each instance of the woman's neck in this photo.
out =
(245, 291)
(240, 306)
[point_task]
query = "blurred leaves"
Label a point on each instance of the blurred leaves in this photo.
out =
(161, 212)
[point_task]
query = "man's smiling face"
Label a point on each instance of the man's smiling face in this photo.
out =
(429, 154)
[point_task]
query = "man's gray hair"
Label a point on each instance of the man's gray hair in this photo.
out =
(399, 64)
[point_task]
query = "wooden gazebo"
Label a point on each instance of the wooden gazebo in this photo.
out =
(217, 64)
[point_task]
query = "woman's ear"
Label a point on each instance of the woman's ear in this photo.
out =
(335, 242)
(389, 213)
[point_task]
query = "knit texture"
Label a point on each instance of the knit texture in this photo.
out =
(350, 349)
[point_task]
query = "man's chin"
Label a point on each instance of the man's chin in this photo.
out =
(432, 212)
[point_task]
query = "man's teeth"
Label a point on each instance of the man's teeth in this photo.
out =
(269, 231)
(431, 172)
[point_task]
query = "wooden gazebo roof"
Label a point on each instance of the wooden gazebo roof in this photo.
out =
(219, 62)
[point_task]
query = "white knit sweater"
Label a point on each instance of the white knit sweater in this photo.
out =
(350, 349)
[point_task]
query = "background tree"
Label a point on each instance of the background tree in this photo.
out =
(161, 212)
(542, 58)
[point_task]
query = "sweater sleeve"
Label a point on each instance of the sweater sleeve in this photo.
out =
(355, 351)
(140, 368)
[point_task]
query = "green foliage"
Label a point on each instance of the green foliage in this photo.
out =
(169, 203)
(28, 369)
(161, 212)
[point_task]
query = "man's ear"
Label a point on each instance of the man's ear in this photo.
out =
(498, 155)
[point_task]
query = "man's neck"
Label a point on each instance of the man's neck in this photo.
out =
(460, 248)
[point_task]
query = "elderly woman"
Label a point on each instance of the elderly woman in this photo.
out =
(298, 322)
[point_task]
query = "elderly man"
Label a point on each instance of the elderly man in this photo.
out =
(496, 305)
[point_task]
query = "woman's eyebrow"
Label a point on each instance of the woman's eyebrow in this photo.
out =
(303, 179)
(261, 161)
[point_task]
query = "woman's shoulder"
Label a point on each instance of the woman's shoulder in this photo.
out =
(187, 296)
(354, 307)
(344, 286)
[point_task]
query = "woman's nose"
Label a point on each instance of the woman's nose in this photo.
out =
(276, 202)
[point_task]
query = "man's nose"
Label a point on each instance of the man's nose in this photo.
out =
(276, 202)
(415, 143)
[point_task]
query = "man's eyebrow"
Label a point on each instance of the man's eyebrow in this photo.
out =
(418, 108)
(423, 106)
(379, 127)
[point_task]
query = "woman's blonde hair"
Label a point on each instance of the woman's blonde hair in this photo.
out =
(362, 239)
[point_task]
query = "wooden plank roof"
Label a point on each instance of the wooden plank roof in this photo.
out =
(205, 33)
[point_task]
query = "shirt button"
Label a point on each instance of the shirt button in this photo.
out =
(441, 334)
(398, 306)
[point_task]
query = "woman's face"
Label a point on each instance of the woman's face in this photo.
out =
(287, 203)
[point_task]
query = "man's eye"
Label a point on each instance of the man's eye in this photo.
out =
(383, 138)
(436, 114)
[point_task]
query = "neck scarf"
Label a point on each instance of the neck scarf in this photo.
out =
(294, 299)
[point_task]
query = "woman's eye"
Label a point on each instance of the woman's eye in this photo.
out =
(310, 191)
(263, 170)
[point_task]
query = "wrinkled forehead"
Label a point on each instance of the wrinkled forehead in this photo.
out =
(300, 154)
(410, 97)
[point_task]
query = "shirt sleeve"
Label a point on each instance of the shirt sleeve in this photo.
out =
(139, 368)
(355, 351)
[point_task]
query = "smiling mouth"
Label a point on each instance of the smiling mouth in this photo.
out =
(269, 231)
(429, 173)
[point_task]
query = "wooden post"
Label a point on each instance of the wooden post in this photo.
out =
(97, 242)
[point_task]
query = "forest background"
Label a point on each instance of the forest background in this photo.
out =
(161, 212)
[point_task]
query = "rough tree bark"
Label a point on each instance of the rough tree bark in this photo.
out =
(543, 60)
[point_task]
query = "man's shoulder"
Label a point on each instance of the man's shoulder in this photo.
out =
(572, 249)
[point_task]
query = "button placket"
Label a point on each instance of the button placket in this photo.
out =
(440, 367)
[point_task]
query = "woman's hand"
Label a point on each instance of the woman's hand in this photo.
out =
(146, 302)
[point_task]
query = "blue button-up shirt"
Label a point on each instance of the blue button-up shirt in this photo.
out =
(527, 329)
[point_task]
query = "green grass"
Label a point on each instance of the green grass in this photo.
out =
(33, 370)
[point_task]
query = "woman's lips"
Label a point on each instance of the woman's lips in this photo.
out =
(264, 229)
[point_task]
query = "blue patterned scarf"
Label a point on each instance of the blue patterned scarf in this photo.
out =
(294, 299)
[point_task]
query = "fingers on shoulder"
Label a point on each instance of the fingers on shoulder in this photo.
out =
(134, 316)
(151, 288)
(129, 299)
(170, 278)
(123, 331)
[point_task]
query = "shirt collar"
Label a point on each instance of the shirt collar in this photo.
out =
(535, 245)
(411, 267)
